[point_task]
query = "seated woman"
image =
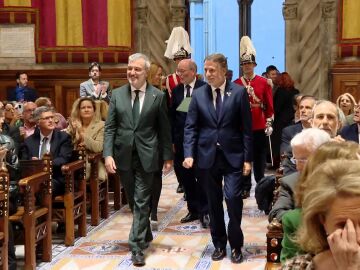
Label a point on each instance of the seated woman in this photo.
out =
(291, 220)
(330, 229)
(346, 102)
(86, 129)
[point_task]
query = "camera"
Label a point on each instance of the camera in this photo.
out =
(19, 107)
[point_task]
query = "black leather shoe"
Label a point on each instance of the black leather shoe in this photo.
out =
(218, 254)
(189, 217)
(138, 258)
(205, 221)
(236, 256)
(245, 194)
(180, 189)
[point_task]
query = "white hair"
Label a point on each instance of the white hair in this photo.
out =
(137, 56)
(310, 138)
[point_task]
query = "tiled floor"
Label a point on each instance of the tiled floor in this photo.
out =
(175, 245)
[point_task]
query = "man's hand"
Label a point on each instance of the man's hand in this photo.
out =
(3, 151)
(110, 164)
(167, 166)
(338, 138)
(246, 168)
(103, 88)
(188, 162)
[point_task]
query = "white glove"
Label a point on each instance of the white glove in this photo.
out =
(268, 131)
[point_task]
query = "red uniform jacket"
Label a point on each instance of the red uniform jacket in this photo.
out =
(263, 108)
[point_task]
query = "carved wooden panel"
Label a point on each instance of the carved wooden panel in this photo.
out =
(61, 86)
(346, 79)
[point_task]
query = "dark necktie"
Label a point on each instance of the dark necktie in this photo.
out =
(43, 149)
(218, 102)
(136, 107)
(188, 87)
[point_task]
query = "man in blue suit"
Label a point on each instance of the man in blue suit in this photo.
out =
(218, 136)
(22, 92)
(195, 196)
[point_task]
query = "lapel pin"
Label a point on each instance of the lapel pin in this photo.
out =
(154, 95)
(228, 94)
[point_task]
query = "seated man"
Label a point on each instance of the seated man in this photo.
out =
(94, 87)
(303, 145)
(48, 139)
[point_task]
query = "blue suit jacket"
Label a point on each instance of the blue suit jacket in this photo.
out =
(350, 133)
(178, 118)
(287, 134)
(29, 94)
(233, 129)
(60, 149)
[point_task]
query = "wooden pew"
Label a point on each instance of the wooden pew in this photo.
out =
(274, 234)
(35, 214)
(69, 208)
(4, 217)
(98, 190)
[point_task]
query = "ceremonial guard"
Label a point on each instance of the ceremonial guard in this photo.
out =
(261, 104)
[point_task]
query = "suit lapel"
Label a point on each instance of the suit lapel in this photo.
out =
(149, 99)
(53, 143)
(226, 101)
(211, 103)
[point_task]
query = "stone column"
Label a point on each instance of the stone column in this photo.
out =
(310, 34)
(141, 27)
(178, 13)
(245, 17)
(244, 22)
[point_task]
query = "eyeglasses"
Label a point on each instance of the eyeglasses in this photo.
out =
(47, 118)
(298, 160)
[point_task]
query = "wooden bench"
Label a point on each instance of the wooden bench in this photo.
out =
(274, 234)
(69, 208)
(35, 213)
(4, 217)
(98, 196)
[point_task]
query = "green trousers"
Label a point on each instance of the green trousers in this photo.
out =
(138, 187)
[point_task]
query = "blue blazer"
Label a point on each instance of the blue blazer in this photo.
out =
(350, 133)
(178, 118)
(287, 134)
(29, 94)
(233, 129)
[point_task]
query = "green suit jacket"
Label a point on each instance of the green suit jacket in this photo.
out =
(151, 132)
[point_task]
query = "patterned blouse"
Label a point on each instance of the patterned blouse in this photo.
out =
(301, 262)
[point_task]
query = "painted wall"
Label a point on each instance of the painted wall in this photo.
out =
(214, 27)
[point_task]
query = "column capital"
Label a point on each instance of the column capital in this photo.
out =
(328, 9)
(290, 11)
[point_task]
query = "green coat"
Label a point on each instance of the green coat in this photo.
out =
(151, 132)
(291, 221)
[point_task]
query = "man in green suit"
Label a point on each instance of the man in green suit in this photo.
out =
(137, 125)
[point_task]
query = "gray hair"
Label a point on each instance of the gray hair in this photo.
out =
(137, 56)
(218, 58)
(38, 111)
(310, 138)
(323, 101)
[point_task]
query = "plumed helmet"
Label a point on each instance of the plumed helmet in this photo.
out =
(178, 44)
(247, 51)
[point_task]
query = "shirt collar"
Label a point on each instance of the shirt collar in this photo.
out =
(49, 136)
(250, 79)
(222, 87)
(142, 88)
(192, 84)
